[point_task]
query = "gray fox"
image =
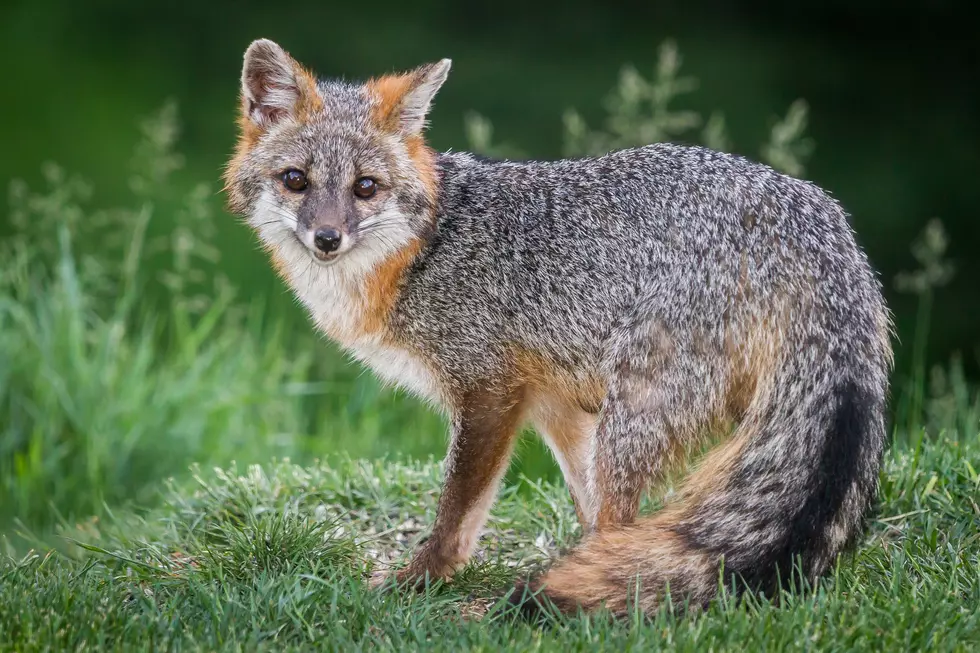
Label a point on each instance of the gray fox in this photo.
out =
(632, 307)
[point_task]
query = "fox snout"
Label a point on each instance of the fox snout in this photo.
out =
(322, 227)
(326, 241)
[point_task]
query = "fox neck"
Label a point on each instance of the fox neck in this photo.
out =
(352, 299)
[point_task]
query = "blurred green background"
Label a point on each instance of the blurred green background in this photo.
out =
(894, 112)
(893, 93)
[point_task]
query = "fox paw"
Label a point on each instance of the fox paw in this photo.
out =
(407, 578)
(379, 578)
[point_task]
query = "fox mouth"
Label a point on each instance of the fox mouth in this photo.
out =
(322, 258)
(326, 259)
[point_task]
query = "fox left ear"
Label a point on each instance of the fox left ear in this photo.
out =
(274, 85)
(404, 101)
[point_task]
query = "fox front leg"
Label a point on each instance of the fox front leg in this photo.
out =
(484, 429)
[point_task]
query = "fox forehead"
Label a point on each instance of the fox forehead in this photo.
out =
(326, 145)
(335, 140)
(341, 119)
(345, 102)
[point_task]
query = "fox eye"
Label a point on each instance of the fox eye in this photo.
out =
(295, 180)
(365, 187)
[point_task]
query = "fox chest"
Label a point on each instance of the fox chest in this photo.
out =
(398, 367)
(393, 365)
(345, 315)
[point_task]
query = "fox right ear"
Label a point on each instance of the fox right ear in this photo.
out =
(274, 86)
(402, 102)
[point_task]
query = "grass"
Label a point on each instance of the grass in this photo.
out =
(275, 557)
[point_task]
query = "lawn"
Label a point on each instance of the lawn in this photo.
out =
(276, 557)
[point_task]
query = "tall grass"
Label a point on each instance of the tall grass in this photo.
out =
(99, 397)
(125, 357)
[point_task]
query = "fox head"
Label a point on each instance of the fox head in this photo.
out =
(331, 173)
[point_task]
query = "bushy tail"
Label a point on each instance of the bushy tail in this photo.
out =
(791, 487)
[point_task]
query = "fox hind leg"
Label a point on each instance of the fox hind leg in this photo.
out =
(660, 396)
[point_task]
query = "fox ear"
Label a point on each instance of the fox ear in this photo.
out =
(427, 80)
(404, 101)
(274, 86)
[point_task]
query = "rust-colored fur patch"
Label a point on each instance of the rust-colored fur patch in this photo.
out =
(604, 570)
(388, 92)
(563, 407)
(753, 354)
(424, 159)
(310, 101)
(249, 134)
(716, 468)
(567, 429)
(539, 372)
(477, 460)
(382, 286)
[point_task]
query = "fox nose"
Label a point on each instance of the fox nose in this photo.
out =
(327, 240)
